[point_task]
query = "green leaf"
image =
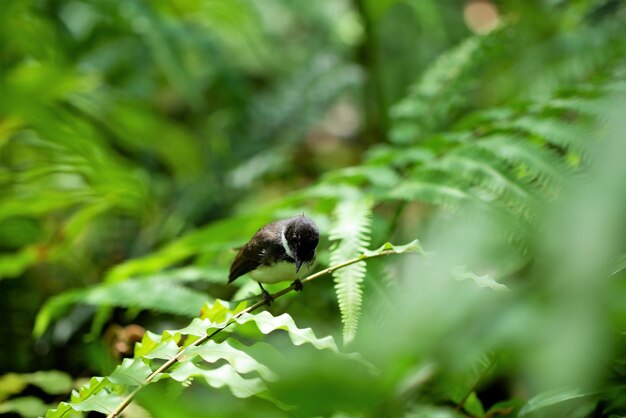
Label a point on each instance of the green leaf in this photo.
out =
(461, 273)
(220, 377)
(619, 265)
(482, 170)
(87, 390)
(10, 384)
(242, 362)
(16, 263)
(551, 398)
(438, 194)
(26, 406)
(532, 160)
(473, 405)
(148, 342)
(156, 294)
(220, 311)
(381, 176)
(164, 350)
(60, 411)
(412, 247)
(102, 401)
(438, 92)
(220, 235)
(53, 382)
(351, 231)
(197, 327)
(130, 372)
(267, 323)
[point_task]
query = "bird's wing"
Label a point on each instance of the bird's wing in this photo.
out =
(254, 253)
(241, 265)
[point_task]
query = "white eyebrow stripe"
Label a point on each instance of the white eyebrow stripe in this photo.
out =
(283, 240)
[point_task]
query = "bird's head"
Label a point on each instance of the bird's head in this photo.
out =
(302, 237)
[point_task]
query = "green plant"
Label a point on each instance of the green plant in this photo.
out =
(505, 157)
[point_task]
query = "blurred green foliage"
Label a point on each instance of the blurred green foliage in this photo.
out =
(141, 142)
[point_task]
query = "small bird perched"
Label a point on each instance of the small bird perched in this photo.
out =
(272, 253)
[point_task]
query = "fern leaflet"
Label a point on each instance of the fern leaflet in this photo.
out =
(351, 231)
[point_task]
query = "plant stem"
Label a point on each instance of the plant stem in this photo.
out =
(165, 366)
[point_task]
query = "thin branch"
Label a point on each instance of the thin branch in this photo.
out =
(165, 366)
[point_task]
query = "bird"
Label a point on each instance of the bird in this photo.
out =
(279, 251)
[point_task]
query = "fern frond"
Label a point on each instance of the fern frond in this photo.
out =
(532, 161)
(440, 90)
(477, 170)
(552, 130)
(450, 193)
(351, 231)
(217, 364)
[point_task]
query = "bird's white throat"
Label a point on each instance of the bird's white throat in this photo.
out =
(283, 240)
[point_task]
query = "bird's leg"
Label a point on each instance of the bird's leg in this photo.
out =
(266, 295)
(297, 285)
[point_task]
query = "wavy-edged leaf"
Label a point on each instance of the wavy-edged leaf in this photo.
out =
(225, 375)
(88, 389)
(219, 311)
(130, 372)
(267, 323)
(412, 247)
(103, 401)
(198, 327)
(60, 411)
(351, 231)
(461, 273)
(165, 350)
(241, 361)
(148, 342)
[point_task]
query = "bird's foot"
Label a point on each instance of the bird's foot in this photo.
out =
(266, 295)
(297, 285)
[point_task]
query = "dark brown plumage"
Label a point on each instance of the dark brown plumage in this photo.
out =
(290, 241)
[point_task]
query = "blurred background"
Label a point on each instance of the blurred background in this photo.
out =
(141, 142)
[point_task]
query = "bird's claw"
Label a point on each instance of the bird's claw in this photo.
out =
(297, 285)
(267, 297)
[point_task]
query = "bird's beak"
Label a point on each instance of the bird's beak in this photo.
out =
(298, 264)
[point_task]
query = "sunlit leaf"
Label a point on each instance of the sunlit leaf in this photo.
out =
(267, 323)
(130, 372)
(220, 377)
(238, 359)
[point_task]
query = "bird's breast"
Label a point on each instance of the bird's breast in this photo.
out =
(279, 272)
